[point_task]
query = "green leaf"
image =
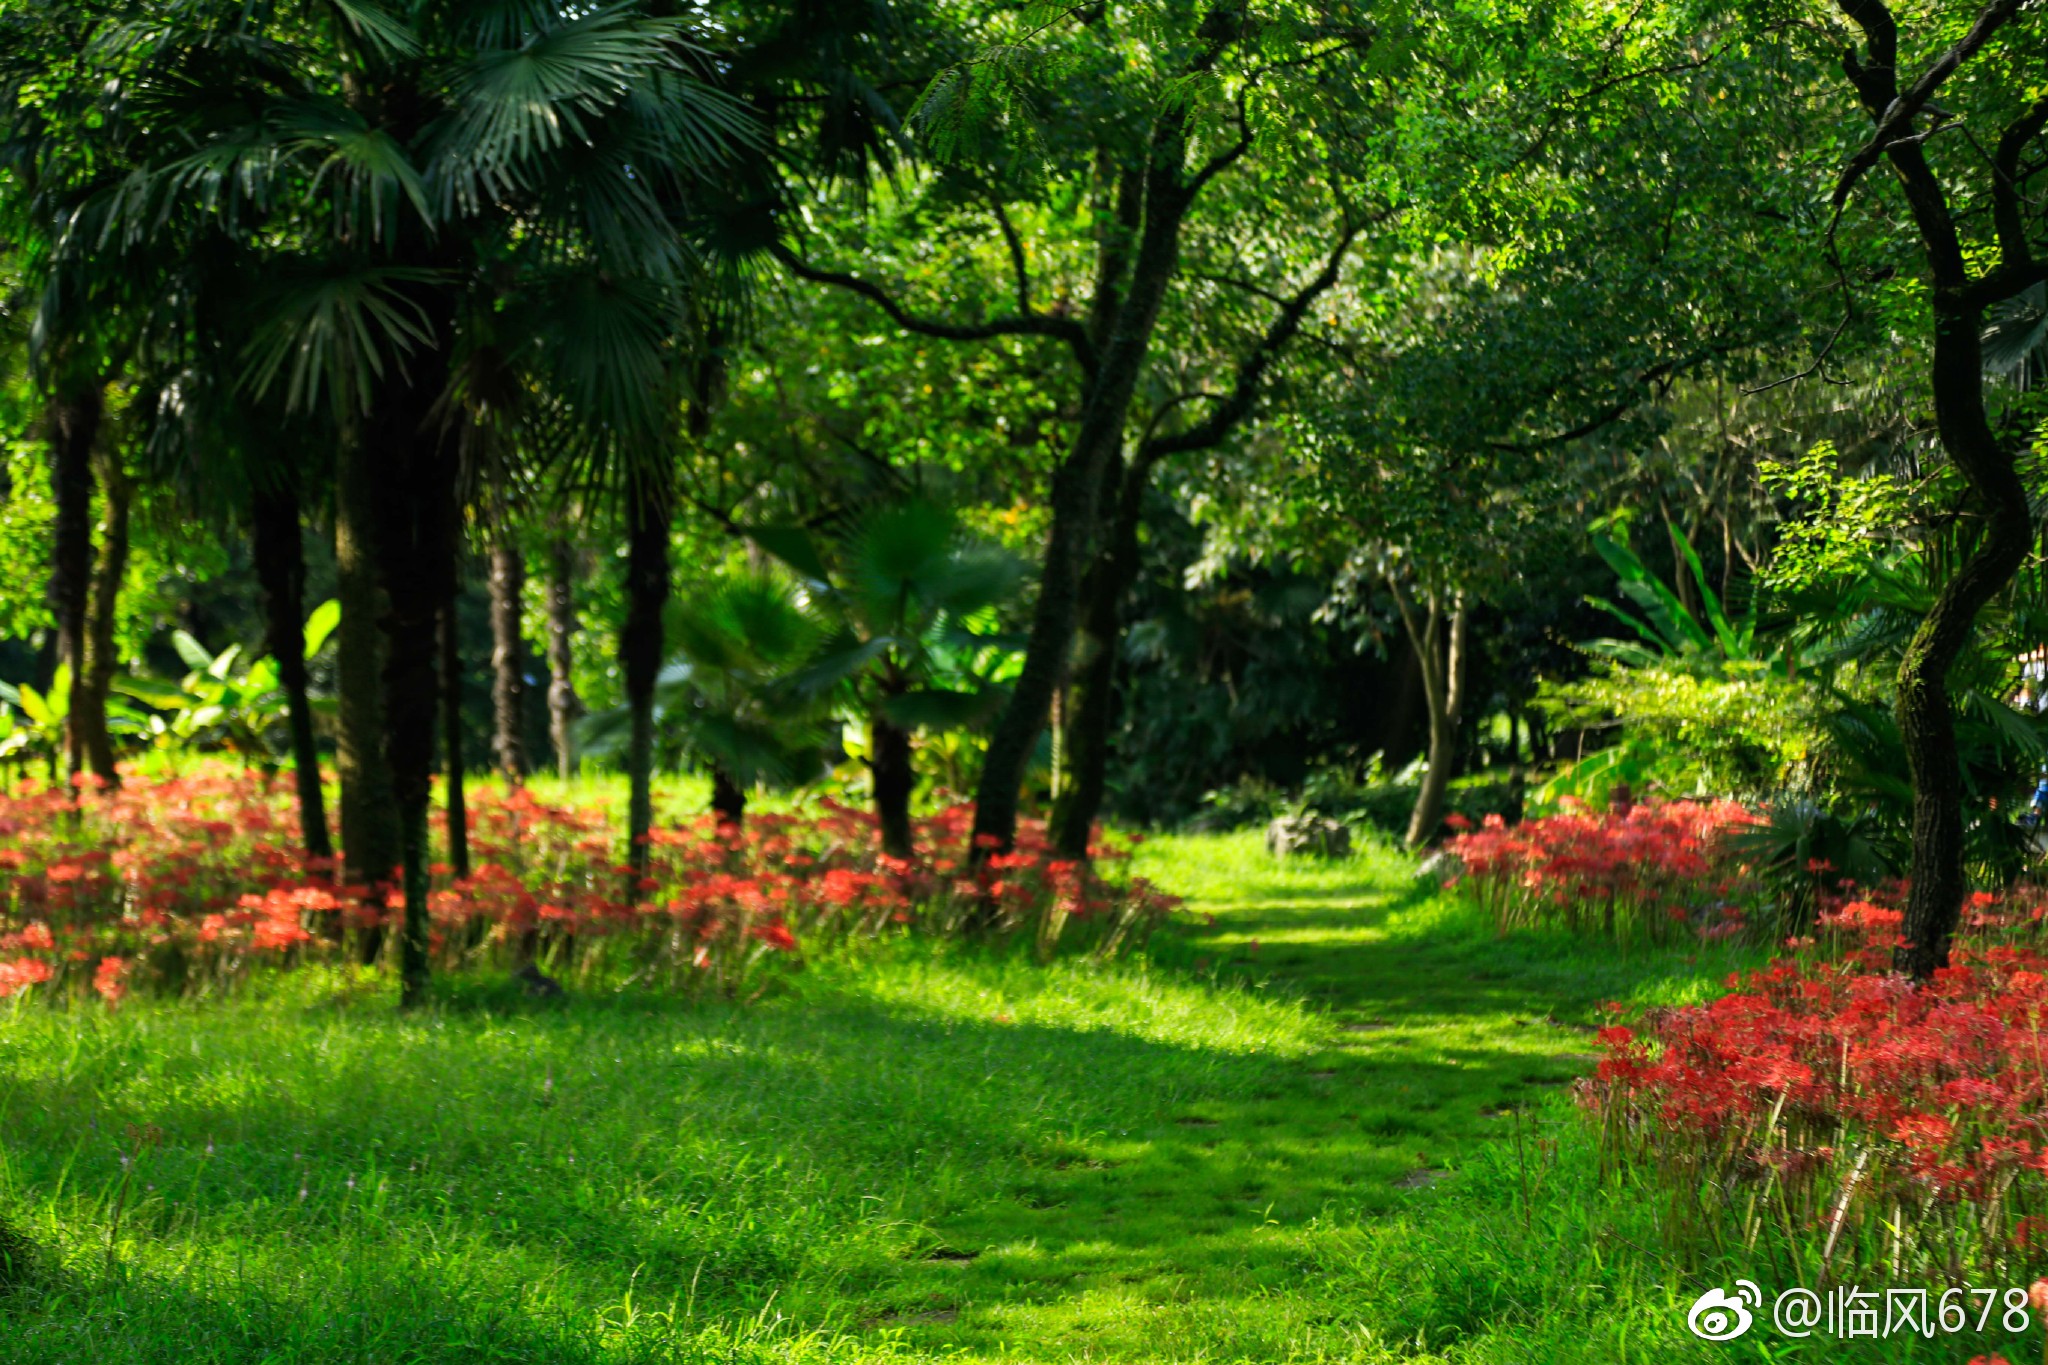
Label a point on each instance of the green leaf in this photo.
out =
(339, 331)
(1673, 622)
(793, 546)
(827, 671)
(191, 651)
(152, 692)
(321, 624)
(34, 707)
(378, 28)
(1634, 623)
(1730, 645)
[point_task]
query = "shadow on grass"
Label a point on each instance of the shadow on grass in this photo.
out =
(811, 1152)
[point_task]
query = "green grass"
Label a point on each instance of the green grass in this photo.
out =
(1331, 1125)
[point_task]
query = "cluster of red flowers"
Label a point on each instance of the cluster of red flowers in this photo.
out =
(1889, 1126)
(190, 882)
(1649, 872)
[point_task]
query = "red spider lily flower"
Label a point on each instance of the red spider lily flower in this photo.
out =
(22, 973)
(775, 936)
(107, 979)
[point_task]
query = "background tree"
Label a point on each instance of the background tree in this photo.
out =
(1976, 226)
(1071, 223)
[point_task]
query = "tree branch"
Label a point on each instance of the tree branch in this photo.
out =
(1614, 411)
(1895, 117)
(2006, 214)
(1025, 324)
(1224, 159)
(1016, 245)
(1251, 371)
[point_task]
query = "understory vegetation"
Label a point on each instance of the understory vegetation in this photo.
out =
(897, 680)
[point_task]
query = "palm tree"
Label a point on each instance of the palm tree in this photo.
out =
(914, 646)
(412, 185)
(732, 697)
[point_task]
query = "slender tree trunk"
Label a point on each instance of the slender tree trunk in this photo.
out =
(1076, 487)
(281, 568)
(416, 558)
(1443, 687)
(728, 799)
(1925, 710)
(1091, 705)
(1091, 694)
(1988, 465)
(508, 659)
(369, 812)
(90, 689)
(451, 733)
(74, 426)
(892, 766)
(649, 506)
(563, 706)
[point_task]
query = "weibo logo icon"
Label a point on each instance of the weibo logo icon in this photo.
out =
(1718, 1315)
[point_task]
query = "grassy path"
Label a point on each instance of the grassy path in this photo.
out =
(1287, 1136)
(1209, 1228)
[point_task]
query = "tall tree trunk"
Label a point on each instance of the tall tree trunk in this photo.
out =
(649, 505)
(1091, 694)
(893, 768)
(1443, 688)
(508, 659)
(369, 813)
(1925, 710)
(89, 691)
(416, 558)
(1958, 301)
(1075, 494)
(281, 568)
(563, 706)
(451, 732)
(74, 425)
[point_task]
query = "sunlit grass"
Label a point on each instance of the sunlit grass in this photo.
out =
(1330, 1126)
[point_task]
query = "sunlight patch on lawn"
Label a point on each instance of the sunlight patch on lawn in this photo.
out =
(1123, 998)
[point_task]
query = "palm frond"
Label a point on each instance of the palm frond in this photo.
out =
(370, 170)
(519, 101)
(382, 30)
(339, 332)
